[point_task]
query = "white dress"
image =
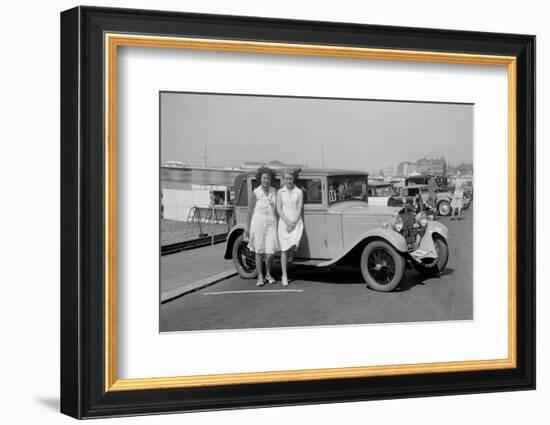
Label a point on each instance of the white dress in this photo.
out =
(263, 225)
(290, 205)
(458, 194)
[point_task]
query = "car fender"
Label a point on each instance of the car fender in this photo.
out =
(389, 235)
(233, 234)
(439, 228)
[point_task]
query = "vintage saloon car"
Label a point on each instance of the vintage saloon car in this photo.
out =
(409, 195)
(341, 228)
(441, 181)
(444, 192)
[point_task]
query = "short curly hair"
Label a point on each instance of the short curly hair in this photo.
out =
(294, 172)
(265, 170)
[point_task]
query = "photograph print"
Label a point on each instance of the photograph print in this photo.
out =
(279, 211)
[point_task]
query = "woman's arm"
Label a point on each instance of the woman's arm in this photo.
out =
(280, 208)
(300, 206)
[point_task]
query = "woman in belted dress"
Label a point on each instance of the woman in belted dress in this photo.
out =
(262, 224)
(290, 200)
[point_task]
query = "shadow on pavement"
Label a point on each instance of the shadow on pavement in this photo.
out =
(332, 276)
(413, 279)
(350, 275)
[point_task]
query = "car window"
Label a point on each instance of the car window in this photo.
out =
(384, 191)
(347, 187)
(312, 190)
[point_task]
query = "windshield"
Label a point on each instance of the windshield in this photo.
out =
(385, 191)
(341, 188)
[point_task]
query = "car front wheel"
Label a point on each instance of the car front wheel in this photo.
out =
(244, 259)
(436, 266)
(444, 208)
(382, 266)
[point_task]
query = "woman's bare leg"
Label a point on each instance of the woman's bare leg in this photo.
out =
(284, 266)
(259, 267)
(268, 262)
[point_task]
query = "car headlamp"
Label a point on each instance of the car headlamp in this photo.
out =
(422, 218)
(398, 223)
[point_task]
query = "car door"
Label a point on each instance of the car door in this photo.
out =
(313, 244)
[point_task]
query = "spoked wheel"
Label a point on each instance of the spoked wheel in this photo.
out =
(244, 259)
(444, 208)
(382, 266)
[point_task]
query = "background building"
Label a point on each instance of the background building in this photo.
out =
(186, 189)
(434, 166)
(466, 169)
(249, 165)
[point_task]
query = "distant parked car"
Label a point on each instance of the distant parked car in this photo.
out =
(380, 193)
(409, 194)
(441, 181)
(342, 228)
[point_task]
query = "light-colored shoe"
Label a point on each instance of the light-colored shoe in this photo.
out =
(270, 280)
(284, 281)
(260, 282)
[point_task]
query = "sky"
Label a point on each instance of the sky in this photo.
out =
(333, 133)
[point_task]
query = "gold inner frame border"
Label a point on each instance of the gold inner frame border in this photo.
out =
(111, 43)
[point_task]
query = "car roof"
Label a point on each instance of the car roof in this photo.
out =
(415, 186)
(376, 184)
(420, 177)
(315, 172)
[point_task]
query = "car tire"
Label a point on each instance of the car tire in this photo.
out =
(444, 208)
(243, 259)
(437, 266)
(382, 266)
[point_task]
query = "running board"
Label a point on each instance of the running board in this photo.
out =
(304, 262)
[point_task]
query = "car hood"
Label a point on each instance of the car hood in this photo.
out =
(350, 219)
(360, 208)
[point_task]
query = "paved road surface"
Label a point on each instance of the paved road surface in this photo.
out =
(332, 297)
(186, 267)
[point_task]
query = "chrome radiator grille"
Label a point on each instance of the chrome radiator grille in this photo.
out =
(409, 230)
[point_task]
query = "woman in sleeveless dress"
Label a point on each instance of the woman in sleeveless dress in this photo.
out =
(262, 224)
(458, 197)
(290, 200)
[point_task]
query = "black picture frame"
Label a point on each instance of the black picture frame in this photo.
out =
(83, 393)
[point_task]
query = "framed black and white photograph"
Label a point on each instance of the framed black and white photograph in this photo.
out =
(262, 212)
(369, 190)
